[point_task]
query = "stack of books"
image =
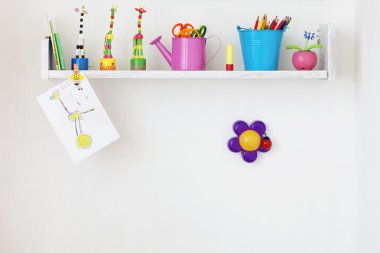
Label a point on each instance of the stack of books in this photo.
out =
(57, 47)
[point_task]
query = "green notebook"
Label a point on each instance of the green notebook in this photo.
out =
(59, 50)
(54, 44)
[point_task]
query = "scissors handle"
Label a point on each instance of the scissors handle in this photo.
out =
(174, 27)
(181, 28)
(202, 30)
(187, 32)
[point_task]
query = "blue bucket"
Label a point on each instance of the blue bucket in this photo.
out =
(260, 48)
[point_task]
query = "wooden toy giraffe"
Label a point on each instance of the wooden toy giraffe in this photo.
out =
(80, 56)
(80, 43)
(138, 61)
(108, 62)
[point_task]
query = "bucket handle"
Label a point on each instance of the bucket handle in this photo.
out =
(239, 28)
(217, 51)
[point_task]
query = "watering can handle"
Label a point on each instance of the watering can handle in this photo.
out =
(217, 51)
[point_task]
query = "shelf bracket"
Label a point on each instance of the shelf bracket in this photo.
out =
(327, 54)
(46, 57)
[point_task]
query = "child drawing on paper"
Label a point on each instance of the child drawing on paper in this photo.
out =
(77, 105)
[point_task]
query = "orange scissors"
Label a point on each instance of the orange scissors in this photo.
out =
(185, 30)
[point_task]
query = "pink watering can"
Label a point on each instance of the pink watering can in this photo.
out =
(187, 53)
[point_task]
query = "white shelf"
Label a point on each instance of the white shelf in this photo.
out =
(326, 62)
(127, 74)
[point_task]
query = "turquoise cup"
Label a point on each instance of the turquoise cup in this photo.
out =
(260, 48)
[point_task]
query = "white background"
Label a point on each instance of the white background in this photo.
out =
(170, 184)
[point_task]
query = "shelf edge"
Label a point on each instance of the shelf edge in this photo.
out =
(126, 74)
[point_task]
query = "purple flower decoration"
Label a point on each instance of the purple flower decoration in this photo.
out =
(250, 139)
(309, 35)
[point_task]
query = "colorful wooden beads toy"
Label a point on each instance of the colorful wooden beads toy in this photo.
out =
(80, 57)
(108, 62)
(138, 61)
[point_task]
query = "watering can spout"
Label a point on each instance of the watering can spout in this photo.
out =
(164, 51)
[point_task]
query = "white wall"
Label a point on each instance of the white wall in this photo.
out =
(170, 184)
(368, 110)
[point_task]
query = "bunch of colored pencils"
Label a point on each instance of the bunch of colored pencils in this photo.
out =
(263, 24)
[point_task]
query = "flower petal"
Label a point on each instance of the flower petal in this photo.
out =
(240, 127)
(249, 156)
(234, 145)
(259, 127)
(261, 149)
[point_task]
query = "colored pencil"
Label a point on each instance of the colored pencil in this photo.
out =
(261, 24)
(273, 24)
(279, 26)
(265, 21)
(289, 19)
(257, 22)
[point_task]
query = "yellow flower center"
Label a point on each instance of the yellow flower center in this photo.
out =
(250, 140)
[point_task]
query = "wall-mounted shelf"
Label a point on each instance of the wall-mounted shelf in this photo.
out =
(53, 74)
(326, 61)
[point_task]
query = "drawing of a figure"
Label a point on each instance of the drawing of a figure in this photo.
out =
(76, 111)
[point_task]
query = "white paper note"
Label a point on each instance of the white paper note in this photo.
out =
(78, 118)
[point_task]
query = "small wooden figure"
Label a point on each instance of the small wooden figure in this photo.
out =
(108, 62)
(80, 57)
(138, 61)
